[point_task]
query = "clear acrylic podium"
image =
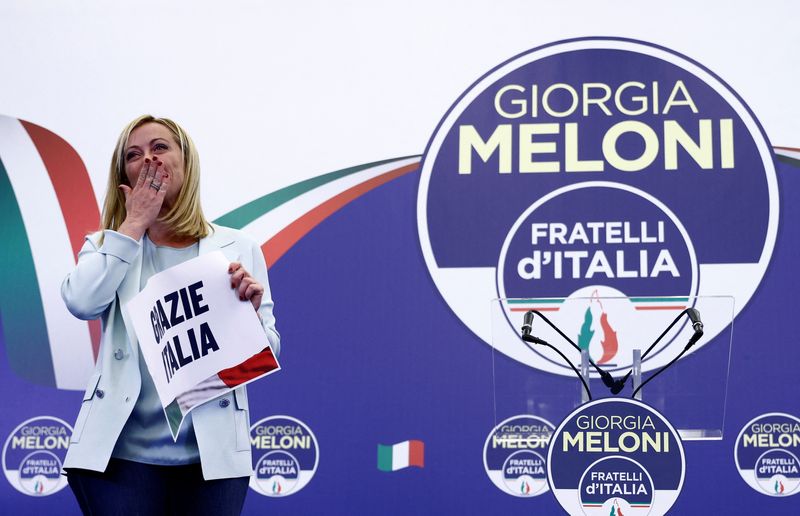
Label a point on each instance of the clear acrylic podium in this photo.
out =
(614, 332)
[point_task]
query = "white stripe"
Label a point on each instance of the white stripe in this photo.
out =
(788, 153)
(400, 452)
(70, 342)
(272, 222)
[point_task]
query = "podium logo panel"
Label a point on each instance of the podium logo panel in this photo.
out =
(590, 168)
(616, 456)
(514, 455)
(767, 454)
(34, 453)
(285, 456)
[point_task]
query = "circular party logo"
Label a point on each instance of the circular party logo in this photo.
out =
(767, 454)
(615, 456)
(514, 455)
(285, 455)
(33, 454)
(577, 178)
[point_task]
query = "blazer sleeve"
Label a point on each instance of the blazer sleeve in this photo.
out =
(91, 287)
(259, 272)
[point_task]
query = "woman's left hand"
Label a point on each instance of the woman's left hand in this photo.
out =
(246, 286)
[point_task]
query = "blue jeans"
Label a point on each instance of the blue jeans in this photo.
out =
(132, 488)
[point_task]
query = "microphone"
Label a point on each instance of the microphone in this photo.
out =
(614, 385)
(697, 324)
(527, 323)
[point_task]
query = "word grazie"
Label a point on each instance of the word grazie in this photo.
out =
(179, 307)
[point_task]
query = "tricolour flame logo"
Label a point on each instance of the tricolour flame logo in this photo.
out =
(525, 488)
(778, 487)
(609, 341)
(616, 510)
(276, 487)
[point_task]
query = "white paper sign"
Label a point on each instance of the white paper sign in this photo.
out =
(191, 326)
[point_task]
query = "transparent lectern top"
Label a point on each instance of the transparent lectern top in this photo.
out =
(533, 379)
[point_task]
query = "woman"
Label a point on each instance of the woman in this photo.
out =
(122, 458)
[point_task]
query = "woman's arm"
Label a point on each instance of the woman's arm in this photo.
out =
(91, 287)
(254, 287)
(265, 308)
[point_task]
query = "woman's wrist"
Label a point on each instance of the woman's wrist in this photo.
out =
(132, 229)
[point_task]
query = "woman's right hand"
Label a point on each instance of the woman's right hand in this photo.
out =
(143, 201)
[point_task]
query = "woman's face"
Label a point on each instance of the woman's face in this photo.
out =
(154, 141)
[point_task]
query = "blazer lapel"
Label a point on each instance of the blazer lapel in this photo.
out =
(216, 240)
(126, 291)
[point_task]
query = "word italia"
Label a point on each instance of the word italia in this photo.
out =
(283, 467)
(613, 489)
(47, 467)
(536, 144)
(174, 357)
(582, 264)
(778, 466)
(532, 467)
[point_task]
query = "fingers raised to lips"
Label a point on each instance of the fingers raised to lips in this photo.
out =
(159, 176)
(143, 172)
(162, 188)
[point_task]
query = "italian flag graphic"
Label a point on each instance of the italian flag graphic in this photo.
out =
(401, 455)
(259, 365)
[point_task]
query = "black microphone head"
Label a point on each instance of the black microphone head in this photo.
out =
(694, 315)
(527, 322)
(618, 386)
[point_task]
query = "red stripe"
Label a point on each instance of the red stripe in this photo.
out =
(70, 182)
(416, 454)
(277, 246)
(253, 367)
(73, 191)
(543, 309)
(660, 307)
(786, 148)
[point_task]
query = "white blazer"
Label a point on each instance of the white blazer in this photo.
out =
(106, 277)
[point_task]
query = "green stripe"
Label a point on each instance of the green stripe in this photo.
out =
(788, 160)
(244, 215)
(659, 299)
(532, 301)
(174, 416)
(24, 327)
(384, 458)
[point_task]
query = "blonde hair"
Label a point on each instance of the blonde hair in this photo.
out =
(186, 217)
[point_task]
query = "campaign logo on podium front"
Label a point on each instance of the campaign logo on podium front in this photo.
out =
(34, 453)
(585, 170)
(514, 455)
(767, 454)
(285, 456)
(615, 456)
